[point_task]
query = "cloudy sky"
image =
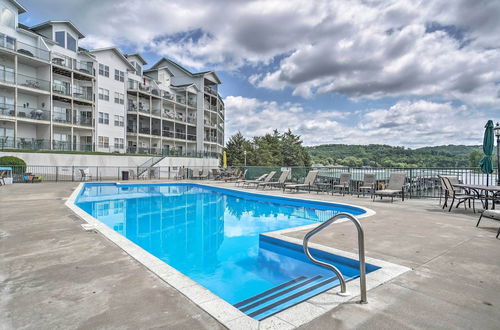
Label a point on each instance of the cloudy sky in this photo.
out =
(399, 72)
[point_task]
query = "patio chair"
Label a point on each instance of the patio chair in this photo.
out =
(444, 188)
(280, 183)
(394, 188)
(236, 175)
(195, 173)
(260, 178)
(344, 183)
(85, 174)
(369, 181)
(204, 174)
(456, 194)
(308, 182)
(267, 178)
(180, 174)
(2, 175)
(216, 174)
(490, 214)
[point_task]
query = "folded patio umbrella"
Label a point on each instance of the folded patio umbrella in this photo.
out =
(486, 163)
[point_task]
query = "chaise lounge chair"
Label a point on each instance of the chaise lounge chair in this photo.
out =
(369, 181)
(241, 181)
(490, 214)
(280, 183)
(204, 174)
(394, 188)
(256, 182)
(308, 182)
(344, 183)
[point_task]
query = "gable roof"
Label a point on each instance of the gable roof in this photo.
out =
(185, 86)
(186, 71)
(117, 52)
(20, 8)
(137, 55)
(45, 24)
(160, 68)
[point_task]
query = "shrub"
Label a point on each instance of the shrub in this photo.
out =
(18, 165)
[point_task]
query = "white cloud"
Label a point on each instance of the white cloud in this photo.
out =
(409, 123)
(363, 49)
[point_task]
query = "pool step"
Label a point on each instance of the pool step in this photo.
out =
(285, 295)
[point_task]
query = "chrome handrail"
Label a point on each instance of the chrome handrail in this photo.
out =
(361, 251)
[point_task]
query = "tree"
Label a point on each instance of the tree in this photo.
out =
(235, 150)
(272, 149)
(474, 158)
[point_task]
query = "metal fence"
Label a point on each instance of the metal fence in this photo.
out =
(23, 174)
(420, 182)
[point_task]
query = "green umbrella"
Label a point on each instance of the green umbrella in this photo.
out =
(486, 163)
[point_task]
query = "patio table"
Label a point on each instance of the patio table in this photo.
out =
(478, 188)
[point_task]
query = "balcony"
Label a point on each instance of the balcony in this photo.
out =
(211, 90)
(7, 75)
(7, 109)
(144, 130)
(32, 51)
(131, 105)
(133, 85)
(32, 113)
(180, 135)
(86, 67)
(167, 133)
(33, 82)
(83, 121)
(83, 93)
(32, 144)
(132, 129)
(22, 48)
(61, 89)
(191, 137)
(61, 115)
(191, 119)
(180, 99)
(144, 88)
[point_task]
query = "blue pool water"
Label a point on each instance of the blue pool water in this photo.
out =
(213, 236)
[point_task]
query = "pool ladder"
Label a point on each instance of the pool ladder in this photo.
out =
(361, 251)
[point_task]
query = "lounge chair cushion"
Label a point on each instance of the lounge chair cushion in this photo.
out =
(387, 192)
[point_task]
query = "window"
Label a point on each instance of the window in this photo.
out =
(104, 70)
(119, 75)
(103, 94)
(7, 42)
(138, 69)
(60, 38)
(104, 118)
(7, 17)
(70, 42)
(119, 143)
(119, 121)
(119, 98)
(103, 141)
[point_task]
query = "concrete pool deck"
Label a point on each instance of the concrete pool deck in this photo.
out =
(53, 274)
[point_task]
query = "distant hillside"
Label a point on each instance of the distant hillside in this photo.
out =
(377, 155)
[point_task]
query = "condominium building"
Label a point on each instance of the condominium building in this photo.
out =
(55, 95)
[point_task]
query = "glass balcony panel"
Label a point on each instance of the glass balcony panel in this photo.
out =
(32, 113)
(32, 82)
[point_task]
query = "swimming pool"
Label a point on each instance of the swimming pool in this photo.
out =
(213, 236)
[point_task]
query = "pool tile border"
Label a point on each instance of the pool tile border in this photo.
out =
(226, 313)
